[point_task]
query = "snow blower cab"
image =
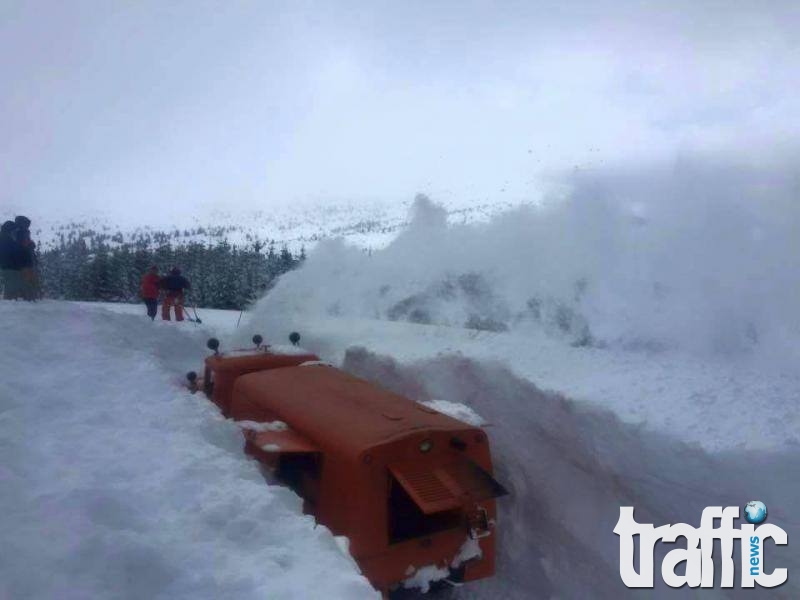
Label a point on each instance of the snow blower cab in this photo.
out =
(411, 488)
(222, 369)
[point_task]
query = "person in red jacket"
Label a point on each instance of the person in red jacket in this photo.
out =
(175, 285)
(150, 290)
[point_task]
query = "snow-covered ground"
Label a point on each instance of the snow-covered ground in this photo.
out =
(115, 482)
(141, 490)
(624, 353)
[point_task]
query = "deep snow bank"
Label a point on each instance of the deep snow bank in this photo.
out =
(117, 483)
(570, 465)
(569, 468)
(717, 404)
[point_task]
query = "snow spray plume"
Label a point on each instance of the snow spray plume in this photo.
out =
(701, 256)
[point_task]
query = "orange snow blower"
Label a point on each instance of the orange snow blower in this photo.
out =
(410, 487)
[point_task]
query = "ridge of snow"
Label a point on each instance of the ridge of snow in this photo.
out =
(699, 402)
(117, 482)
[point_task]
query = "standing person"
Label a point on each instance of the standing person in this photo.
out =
(174, 285)
(27, 258)
(10, 261)
(150, 290)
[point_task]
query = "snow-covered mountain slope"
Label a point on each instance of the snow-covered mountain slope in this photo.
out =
(115, 482)
(367, 224)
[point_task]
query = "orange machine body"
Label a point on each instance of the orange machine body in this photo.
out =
(222, 370)
(409, 486)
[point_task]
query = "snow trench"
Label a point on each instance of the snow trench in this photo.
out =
(117, 483)
(569, 467)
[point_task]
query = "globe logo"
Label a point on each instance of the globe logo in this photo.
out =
(755, 512)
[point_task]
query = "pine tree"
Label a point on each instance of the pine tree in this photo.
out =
(91, 265)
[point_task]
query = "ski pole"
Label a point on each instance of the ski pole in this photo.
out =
(194, 310)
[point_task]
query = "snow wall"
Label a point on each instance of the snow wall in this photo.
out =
(116, 483)
(697, 256)
(569, 468)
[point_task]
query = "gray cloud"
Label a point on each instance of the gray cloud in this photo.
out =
(131, 107)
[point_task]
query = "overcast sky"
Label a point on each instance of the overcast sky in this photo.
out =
(135, 106)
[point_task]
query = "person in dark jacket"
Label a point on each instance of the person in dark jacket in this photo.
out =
(10, 258)
(150, 291)
(27, 258)
(174, 285)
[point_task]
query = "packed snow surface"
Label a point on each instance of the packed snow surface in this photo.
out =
(115, 482)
